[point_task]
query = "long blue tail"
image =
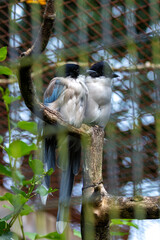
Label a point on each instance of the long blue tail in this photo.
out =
(67, 180)
(69, 165)
(48, 154)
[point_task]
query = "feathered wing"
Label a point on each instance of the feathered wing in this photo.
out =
(67, 96)
(71, 169)
(49, 141)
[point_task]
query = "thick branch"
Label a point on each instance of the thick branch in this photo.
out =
(93, 152)
(106, 206)
(45, 31)
(92, 178)
(98, 206)
(138, 207)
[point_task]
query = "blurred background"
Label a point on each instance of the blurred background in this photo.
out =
(127, 35)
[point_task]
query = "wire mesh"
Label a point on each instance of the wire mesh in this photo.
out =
(124, 33)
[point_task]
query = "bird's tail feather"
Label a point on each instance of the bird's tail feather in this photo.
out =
(67, 180)
(49, 157)
(64, 199)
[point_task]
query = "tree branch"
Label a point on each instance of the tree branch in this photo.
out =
(45, 31)
(138, 207)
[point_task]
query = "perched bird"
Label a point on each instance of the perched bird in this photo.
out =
(78, 99)
(68, 95)
(99, 82)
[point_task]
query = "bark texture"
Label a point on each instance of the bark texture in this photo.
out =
(93, 225)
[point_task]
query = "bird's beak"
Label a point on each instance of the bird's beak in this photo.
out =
(114, 75)
(92, 73)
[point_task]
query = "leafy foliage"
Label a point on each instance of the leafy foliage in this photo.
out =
(19, 149)
(16, 149)
(77, 233)
(126, 222)
(5, 70)
(52, 235)
(119, 222)
(3, 53)
(9, 236)
(1, 139)
(28, 126)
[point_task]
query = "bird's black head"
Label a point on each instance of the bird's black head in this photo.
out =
(100, 69)
(68, 70)
(72, 70)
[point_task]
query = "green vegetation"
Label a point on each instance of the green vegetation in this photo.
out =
(18, 197)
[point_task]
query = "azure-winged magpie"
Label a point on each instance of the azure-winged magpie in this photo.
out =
(99, 82)
(66, 93)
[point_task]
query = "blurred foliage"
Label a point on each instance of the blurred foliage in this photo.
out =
(132, 27)
(22, 189)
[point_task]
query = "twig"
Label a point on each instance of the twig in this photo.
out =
(21, 226)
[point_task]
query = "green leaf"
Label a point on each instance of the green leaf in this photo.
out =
(26, 210)
(50, 171)
(123, 222)
(118, 233)
(10, 99)
(5, 170)
(50, 190)
(2, 90)
(16, 200)
(52, 235)
(18, 191)
(37, 166)
(27, 182)
(3, 227)
(18, 149)
(3, 53)
(17, 175)
(32, 236)
(42, 190)
(8, 207)
(28, 126)
(5, 70)
(77, 233)
(14, 174)
(7, 217)
(9, 236)
(1, 139)
(116, 222)
(131, 224)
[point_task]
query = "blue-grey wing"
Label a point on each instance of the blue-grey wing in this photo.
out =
(51, 94)
(53, 91)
